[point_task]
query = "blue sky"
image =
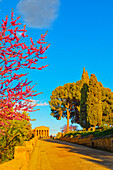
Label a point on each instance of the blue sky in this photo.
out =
(80, 34)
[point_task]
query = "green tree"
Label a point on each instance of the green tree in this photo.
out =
(83, 101)
(94, 104)
(107, 106)
(83, 106)
(85, 77)
(15, 134)
(64, 102)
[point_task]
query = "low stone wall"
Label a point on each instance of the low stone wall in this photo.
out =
(71, 138)
(85, 140)
(105, 143)
(22, 155)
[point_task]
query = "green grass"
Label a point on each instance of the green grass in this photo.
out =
(96, 133)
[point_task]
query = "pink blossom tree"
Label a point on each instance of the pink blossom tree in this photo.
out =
(15, 55)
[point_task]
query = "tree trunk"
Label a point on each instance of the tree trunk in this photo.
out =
(93, 128)
(68, 116)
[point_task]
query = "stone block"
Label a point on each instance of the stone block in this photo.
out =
(28, 144)
(33, 142)
(21, 152)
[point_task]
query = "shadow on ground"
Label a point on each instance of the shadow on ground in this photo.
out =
(96, 156)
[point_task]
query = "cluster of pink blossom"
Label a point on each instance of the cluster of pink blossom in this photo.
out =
(15, 89)
(71, 128)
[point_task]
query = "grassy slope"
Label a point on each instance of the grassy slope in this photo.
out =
(96, 133)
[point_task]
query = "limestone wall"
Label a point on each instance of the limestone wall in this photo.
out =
(71, 138)
(21, 156)
(105, 143)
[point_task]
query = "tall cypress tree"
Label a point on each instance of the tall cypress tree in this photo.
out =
(85, 77)
(107, 106)
(83, 106)
(83, 101)
(94, 104)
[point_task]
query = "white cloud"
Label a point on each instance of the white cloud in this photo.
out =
(31, 103)
(19, 34)
(38, 13)
(42, 104)
(38, 103)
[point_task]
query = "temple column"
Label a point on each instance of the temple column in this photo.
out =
(39, 132)
(47, 133)
(44, 132)
(35, 133)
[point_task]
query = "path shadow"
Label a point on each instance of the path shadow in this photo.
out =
(96, 156)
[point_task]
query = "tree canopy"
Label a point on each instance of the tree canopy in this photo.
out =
(13, 135)
(86, 102)
(65, 101)
(94, 103)
(107, 106)
(83, 100)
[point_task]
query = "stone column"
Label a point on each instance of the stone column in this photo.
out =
(39, 132)
(47, 133)
(44, 132)
(35, 133)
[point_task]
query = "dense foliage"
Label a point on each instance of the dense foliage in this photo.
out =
(65, 101)
(86, 102)
(96, 105)
(14, 135)
(83, 100)
(107, 106)
(93, 104)
(96, 133)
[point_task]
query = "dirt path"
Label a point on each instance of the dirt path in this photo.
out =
(58, 155)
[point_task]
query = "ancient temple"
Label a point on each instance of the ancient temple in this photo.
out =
(42, 132)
